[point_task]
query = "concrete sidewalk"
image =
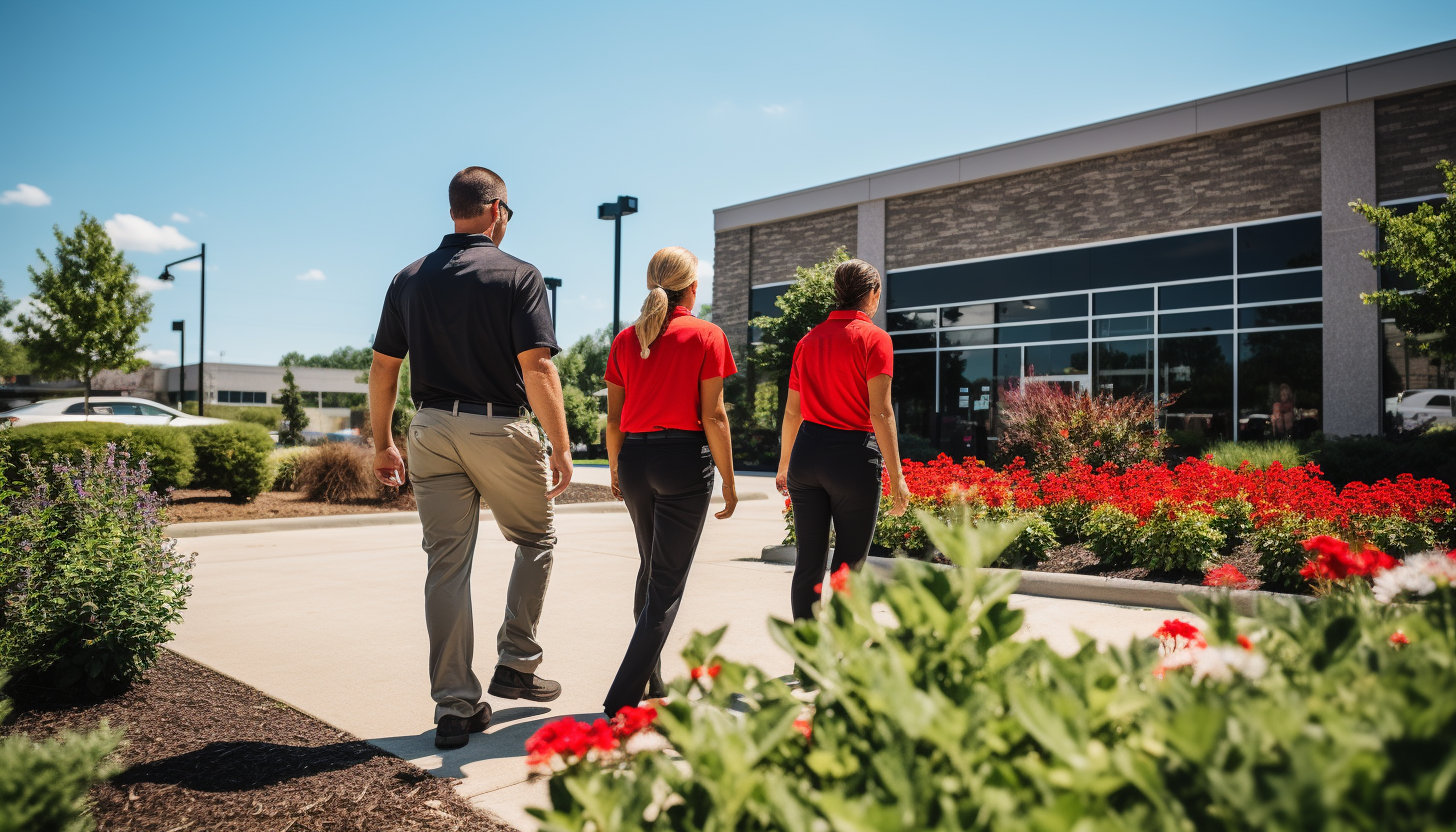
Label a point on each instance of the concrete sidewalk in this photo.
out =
(331, 622)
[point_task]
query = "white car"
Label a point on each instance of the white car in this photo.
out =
(124, 409)
(1416, 407)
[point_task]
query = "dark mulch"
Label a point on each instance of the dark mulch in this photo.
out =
(199, 506)
(1080, 560)
(204, 751)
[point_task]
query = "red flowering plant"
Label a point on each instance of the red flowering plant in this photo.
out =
(1227, 576)
(1049, 427)
(1333, 560)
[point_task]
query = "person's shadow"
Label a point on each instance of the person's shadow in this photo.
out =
(505, 738)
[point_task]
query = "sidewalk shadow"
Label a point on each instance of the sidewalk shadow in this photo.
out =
(505, 739)
(242, 766)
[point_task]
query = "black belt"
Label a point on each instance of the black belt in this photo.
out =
(494, 411)
(669, 433)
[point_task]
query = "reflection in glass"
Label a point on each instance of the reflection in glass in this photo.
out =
(967, 337)
(1191, 295)
(1064, 331)
(1269, 247)
(913, 341)
(1297, 286)
(1117, 303)
(1056, 359)
(976, 315)
(1200, 368)
(1041, 309)
(1124, 368)
(1291, 314)
(1280, 384)
(967, 401)
(1115, 327)
(901, 321)
(1211, 319)
(913, 393)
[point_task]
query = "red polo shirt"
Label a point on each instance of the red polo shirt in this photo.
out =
(832, 368)
(662, 389)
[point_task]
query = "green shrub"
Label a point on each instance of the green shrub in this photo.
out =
(1374, 458)
(1170, 539)
(337, 472)
(234, 457)
(581, 416)
(1259, 455)
(90, 584)
(168, 451)
(44, 786)
(932, 714)
(1112, 534)
(285, 467)
(1049, 427)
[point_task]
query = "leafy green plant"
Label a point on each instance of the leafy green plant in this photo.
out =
(234, 457)
(285, 467)
(294, 419)
(168, 451)
(581, 416)
(1257, 454)
(802, 307)
(1048, 427)
(44, 786)
(90, 583)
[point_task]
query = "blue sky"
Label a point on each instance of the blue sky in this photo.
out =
(315, 140)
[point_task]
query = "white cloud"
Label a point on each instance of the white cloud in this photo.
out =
(180, 217)
(7, 325)
(136, 234)
(774, 109)
(151, 284)
(192, 266)
(312, 274)
(159, 356)
(705, 272)
(25, 195)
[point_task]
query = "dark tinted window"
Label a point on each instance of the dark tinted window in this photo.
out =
(1189, 295)
(1056, 359)
(1032, 274)
(1440, 400)
(1041, 309)
(1124, 367)
(1041, 332)
(1280, 383)
(761, 301)
(900, 321)
(1115, 327)
(914, 341)
(1280, 287)
(1279, 245)
(1116, 303)
(913, 394)
(967, 337)
(1253, 317)
(984, 313)
(1183, 257)
(1196, 321)
(1200, 369)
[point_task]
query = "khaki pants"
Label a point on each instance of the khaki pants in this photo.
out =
(454, 461)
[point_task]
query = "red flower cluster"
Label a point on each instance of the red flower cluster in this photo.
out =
(631, 720)
(700, 671)
(805, 727)
(1399, 639)
(839, 580)
(1176, 628)
(1244, 642)
(1227, 575)
(568, 737)
(1334, 560)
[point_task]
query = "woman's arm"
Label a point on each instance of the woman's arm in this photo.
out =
(615, 397)
(882, 416)
(792, 420)
(720, 440)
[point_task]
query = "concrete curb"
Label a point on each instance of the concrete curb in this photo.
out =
(1122, 591)
(380, 518)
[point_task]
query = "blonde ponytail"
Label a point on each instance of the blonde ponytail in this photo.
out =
(672, 271)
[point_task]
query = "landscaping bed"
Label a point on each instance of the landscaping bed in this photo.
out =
(203, 751)
(202, 506)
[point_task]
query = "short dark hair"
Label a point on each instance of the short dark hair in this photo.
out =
(854, 281)
(472, 189)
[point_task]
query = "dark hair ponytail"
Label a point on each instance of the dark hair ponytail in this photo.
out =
(854, 281)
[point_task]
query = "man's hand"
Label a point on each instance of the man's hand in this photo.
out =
(899, 496)
(560, 471)
(730, 501)
(389, 466)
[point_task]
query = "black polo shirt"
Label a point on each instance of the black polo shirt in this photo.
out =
(462, 314)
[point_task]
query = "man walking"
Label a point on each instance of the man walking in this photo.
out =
(476, 325)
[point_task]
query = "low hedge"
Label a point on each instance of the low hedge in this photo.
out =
(167, 450)
(44, 786)
(235, 457)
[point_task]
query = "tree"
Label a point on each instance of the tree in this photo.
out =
(1421, 246)
(582, 416)
(13, 360)
(804, 306)
(294, 419)
(584, 365)
(88, 313)
(343, 358)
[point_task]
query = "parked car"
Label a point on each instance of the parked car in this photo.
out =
(1416, 407)
(130, 411)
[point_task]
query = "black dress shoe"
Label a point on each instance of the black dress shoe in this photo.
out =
(514, 684)
(454, 731)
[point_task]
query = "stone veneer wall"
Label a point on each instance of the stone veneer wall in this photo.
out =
(731, 252)
(1250, 173)
(1412, 133)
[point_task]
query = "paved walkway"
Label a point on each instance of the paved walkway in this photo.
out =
(331, 622)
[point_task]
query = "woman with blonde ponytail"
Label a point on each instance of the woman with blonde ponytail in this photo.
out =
(665, 420)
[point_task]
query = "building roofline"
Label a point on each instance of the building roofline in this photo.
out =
(1402, 72)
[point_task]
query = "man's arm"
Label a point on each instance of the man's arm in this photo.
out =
(543, 390)
(383, 390)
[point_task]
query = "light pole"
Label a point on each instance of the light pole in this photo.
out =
(201, 324)
(615, 211)
(181, 328)
(553, 283)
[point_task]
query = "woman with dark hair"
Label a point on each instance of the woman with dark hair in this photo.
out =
(667, 429)
(837, 422)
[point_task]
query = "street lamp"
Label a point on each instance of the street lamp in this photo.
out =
(615, 211)
(553, 283)
(181, 327)
(201, 324)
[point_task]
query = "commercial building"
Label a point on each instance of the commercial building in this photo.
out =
(1205, 249)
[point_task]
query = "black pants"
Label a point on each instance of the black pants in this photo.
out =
(666, 483)
(833, 475)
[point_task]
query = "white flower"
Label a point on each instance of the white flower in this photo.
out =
(1404, 578)
(1221, 663)
(645, 741)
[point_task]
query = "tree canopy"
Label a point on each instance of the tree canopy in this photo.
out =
(584, 365)
(804, 306)
(343, 358)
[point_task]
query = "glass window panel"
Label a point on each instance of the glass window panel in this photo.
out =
(1064, 331)
(1408, 369)
(1189, 295)
(1123, 368)
(1041, 309)
(1056, 359)
(1117, 303)
(1114, 327)
(1294, 244)
(977, 315)
(913, 341)
(1033, 274)
(1295, 286)
(901, 321)
(1441, 400)
(761, 300)
(967, 401)
(1200, 369)
(1280, 384)
(148, 410)
(967, 337)
(1292, 314)
(1180, 257)
(913, 396)
(1196, 321)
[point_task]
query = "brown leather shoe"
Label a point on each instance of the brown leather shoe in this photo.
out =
(454, 731)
